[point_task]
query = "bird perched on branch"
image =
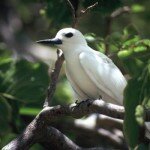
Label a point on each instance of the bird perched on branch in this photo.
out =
(90, 73)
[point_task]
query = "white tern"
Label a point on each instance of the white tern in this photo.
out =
(91, 73)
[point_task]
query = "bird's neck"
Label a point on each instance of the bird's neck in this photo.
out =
(75, 50)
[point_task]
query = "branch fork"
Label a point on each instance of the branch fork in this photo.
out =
(76, 15)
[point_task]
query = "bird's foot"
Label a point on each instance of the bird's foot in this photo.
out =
(78, 103)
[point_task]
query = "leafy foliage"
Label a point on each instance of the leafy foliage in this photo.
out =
(23, 88)
(137, 93)
(59, 9)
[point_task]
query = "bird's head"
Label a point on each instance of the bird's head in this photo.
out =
(66, 39)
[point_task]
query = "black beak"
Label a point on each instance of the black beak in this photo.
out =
(54, 41)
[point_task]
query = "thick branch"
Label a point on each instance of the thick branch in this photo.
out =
(89, 127)
(84, 108)
(29, 137)
(109, 122)
(36, 131)
(57, 140)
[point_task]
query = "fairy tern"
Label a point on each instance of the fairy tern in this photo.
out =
(90, 73)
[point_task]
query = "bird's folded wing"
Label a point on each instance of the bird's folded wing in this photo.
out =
(105, 75)
(77, 90)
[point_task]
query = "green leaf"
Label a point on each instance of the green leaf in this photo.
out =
(140, 49)
(130, 42)
(143, 147)
(29, 111)
(136, 98)
(145, 42)
(139, 114)
(6, 139)
(133, 66)
(125, 54)
(131, 100)
(90, 37)
(31, 78)
(5, 115)
(55, 7)
(130, 32)
(10, 97)
(136, 8)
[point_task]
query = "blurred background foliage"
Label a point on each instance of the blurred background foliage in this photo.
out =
(23, 82)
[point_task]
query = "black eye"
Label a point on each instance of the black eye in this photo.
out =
(69, 35)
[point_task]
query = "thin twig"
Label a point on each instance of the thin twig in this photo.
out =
(54, 78)
(88, 9)
(72, 8)
(76, 15)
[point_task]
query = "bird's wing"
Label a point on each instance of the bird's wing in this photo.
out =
(104, 73)
(79, 94)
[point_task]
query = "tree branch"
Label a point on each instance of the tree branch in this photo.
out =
(41, 134)
(57, 140)
(109, 122)
(76, 15)
(120, 11)
(88, 9)
(37, 131)
(89, 127)
(54, 78)
(84, 108)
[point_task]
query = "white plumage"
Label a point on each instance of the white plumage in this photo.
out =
(90, 73)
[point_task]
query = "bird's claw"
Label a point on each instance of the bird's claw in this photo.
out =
(78, 103)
